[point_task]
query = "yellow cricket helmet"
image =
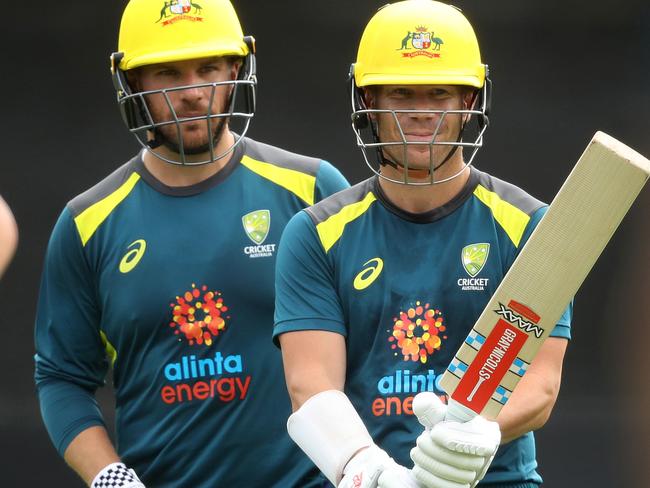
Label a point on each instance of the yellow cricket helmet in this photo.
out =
(158, 31)
(419, 42)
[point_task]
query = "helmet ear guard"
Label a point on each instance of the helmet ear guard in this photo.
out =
(132, 108)
(485, 100)
(249, 71)
(360, 121)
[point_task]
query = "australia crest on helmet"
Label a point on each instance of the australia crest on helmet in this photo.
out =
(423, 41)
(175, 10)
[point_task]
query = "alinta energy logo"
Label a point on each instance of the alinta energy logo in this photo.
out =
(423, 41)
(473, 258)
(176, 10)
(418, 333)
(199, 316)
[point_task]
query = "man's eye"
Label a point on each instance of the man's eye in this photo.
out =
(210, 68)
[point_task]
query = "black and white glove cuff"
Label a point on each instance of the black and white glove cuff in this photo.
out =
(116, 475)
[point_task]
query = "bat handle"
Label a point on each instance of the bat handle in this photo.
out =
(458, 413)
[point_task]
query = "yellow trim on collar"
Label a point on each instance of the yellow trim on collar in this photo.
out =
(331, 230)
(300, 184)
(510, 218)
(89, 220)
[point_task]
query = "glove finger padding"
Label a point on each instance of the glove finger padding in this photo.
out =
(429, 480)
(397, 477)
(441, 462)
(478, 437)
(459, 453)
(429, 409)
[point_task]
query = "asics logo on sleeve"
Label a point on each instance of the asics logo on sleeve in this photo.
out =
(367, 276)
(133, 257)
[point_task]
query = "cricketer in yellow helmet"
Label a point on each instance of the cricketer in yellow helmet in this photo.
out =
(379, 285)
(416, 153)
(163, 271)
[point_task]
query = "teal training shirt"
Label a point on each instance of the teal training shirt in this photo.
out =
(174, 286)
(356, 265)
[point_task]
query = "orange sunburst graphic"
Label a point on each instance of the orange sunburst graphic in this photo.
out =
(418, 332)
(199, 315)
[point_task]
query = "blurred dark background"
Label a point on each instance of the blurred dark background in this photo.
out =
(561, 71)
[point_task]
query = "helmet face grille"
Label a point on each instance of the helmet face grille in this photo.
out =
(150, 133)
(378, 153)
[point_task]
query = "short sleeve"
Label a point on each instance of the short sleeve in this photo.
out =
(305, 292)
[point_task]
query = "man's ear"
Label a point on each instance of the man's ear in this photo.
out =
(470, 97)
(133, 79)
(235, 66)
(369, 95)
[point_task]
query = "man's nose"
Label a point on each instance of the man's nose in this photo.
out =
(193, 92)
(422, 109)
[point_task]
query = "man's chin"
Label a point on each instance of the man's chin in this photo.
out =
(189, 148)
(417, 161)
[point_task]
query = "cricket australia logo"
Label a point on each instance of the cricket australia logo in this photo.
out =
(473, 259)
(176, 10)
(519, 321)
(257, 225)
(423, 41)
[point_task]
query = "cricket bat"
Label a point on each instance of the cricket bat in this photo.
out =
(545, 276)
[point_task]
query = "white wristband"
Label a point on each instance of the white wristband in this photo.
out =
(116, 475)
(329, 430)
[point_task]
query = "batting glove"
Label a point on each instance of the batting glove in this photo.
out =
(374, 468)
(451, 454)
(116, 475)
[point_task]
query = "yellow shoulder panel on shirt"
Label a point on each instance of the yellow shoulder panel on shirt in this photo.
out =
(332, 229)
(111, 353)
(90, 219)
(300, 184)
(513, 220)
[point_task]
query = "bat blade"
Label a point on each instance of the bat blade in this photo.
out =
(545, 276)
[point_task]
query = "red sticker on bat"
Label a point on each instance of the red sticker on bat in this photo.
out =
(489, 366)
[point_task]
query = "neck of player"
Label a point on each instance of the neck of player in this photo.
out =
(424, 198)
(188, 175)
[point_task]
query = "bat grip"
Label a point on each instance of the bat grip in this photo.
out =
(458, 413)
